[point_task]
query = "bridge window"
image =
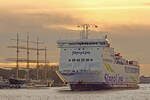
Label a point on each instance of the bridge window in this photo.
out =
(87, 59)
(131, 70)
(69, 60)
(78, 60)
(73, 60)
(82, 59)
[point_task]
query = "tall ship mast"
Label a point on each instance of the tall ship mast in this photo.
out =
(92, 64)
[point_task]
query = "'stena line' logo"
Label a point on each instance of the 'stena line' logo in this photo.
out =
(80, 52)
(113, 78)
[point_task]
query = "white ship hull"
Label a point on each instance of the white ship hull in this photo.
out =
(106, 79)
(91, 64)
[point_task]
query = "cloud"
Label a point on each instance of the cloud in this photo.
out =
(147, 4)
(129, 39)
(131, 28)
(34, 21)
(37, 23)
(111, 8)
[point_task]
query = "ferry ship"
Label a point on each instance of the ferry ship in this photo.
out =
(93, 64)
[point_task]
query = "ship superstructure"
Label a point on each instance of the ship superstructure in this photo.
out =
(89, 64)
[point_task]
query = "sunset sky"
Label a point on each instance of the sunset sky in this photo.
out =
(127, 21)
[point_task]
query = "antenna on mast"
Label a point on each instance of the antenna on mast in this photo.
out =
(85, 30)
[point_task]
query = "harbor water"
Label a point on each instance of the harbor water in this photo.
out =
(64, 93)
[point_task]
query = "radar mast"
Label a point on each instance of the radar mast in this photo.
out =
(85, 29)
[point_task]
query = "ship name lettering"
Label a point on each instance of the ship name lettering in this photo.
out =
(113, 78)
(80, 52)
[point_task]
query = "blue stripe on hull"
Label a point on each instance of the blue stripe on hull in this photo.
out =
(80, 86)
(89, 86)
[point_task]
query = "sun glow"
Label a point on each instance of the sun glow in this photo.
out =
(122, 18)
(7, 65)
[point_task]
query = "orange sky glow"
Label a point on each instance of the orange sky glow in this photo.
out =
(3, 65)
(128, 23)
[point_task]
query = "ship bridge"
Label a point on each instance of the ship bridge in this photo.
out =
(83, 42)
(81, 54)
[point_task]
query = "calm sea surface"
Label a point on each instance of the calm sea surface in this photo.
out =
(64, 93)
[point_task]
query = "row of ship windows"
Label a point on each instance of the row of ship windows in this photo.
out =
(86, 43)
(79, 49)
(131, 70)
(80, 60)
